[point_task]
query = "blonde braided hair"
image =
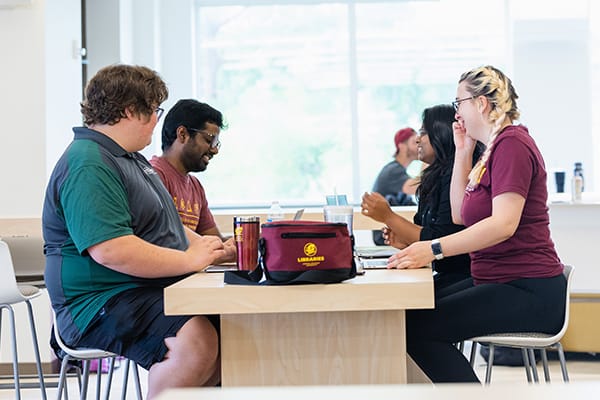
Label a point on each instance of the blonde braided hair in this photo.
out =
(490, 82)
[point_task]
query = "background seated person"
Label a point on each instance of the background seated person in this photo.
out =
(393, 182)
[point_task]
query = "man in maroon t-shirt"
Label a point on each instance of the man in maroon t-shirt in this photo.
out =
(190, 138)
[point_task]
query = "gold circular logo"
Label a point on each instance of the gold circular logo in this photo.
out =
(310, 249)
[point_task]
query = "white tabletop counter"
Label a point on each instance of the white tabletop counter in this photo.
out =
(575, 230)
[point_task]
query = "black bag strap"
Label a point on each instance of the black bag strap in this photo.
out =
(312, 276)
(244, 277)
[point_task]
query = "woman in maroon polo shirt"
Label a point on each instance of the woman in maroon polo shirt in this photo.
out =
(517, 283)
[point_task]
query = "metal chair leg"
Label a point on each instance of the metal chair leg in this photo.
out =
(125, 380)
(526, 364)
(138, 386)
(62, 378)
(36, 349)
(86, 376)
(563, 362)
(136, 379)
(545, 365)
(99, 378)
(473, 354)
(11, 320)
(111, 370)
(533, 365)
(488, 371)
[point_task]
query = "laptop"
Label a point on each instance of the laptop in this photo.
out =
(374, 257)
(230, 266)
(373, 263)
(375, 251)
(27, 253)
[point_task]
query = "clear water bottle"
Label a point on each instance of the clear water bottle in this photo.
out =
(578, 171)
(275, 212)
(577, 183)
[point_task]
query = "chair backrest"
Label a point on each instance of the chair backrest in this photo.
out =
(9, 291)
(57, 333)
(78, 352)
(568, 273)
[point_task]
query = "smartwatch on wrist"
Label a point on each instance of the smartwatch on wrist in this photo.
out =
(436, 248)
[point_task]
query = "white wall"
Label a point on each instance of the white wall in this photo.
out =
(40, 83)
(40, 86)
(22, 110)
(63, 76)
(552, 77)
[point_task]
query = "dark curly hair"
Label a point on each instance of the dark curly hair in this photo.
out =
(119, 87)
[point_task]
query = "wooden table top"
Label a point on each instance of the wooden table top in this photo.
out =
(206, 293)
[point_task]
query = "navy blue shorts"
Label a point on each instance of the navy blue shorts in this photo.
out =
(133, 324)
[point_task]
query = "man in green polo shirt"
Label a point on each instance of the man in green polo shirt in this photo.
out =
(114, 240)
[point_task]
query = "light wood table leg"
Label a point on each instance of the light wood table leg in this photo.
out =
(314, 348)
(414, 373)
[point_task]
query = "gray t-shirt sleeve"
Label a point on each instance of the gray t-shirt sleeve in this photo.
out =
(391, 179)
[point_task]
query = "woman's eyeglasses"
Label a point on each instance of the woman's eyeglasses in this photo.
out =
(456, 103)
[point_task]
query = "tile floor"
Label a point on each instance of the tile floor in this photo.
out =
(579, 369)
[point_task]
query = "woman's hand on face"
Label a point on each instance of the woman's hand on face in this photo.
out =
(464, 143)
(416, 255)
(375, 206)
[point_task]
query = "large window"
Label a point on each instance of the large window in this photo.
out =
(313, 91)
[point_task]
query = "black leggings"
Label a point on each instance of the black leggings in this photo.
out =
(464, 310)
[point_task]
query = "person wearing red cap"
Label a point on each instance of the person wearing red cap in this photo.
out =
(393, 181)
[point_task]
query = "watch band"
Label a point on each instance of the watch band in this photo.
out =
(436, 248)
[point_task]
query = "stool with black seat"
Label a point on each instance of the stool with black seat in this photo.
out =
(528, 342)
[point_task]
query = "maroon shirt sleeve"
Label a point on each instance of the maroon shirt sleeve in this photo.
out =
(188, 195)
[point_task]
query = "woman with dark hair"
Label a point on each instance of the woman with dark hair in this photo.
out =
(433, 218)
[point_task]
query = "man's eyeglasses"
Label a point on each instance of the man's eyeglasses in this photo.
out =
(213, 138)
(456, 103)
(159, 112)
